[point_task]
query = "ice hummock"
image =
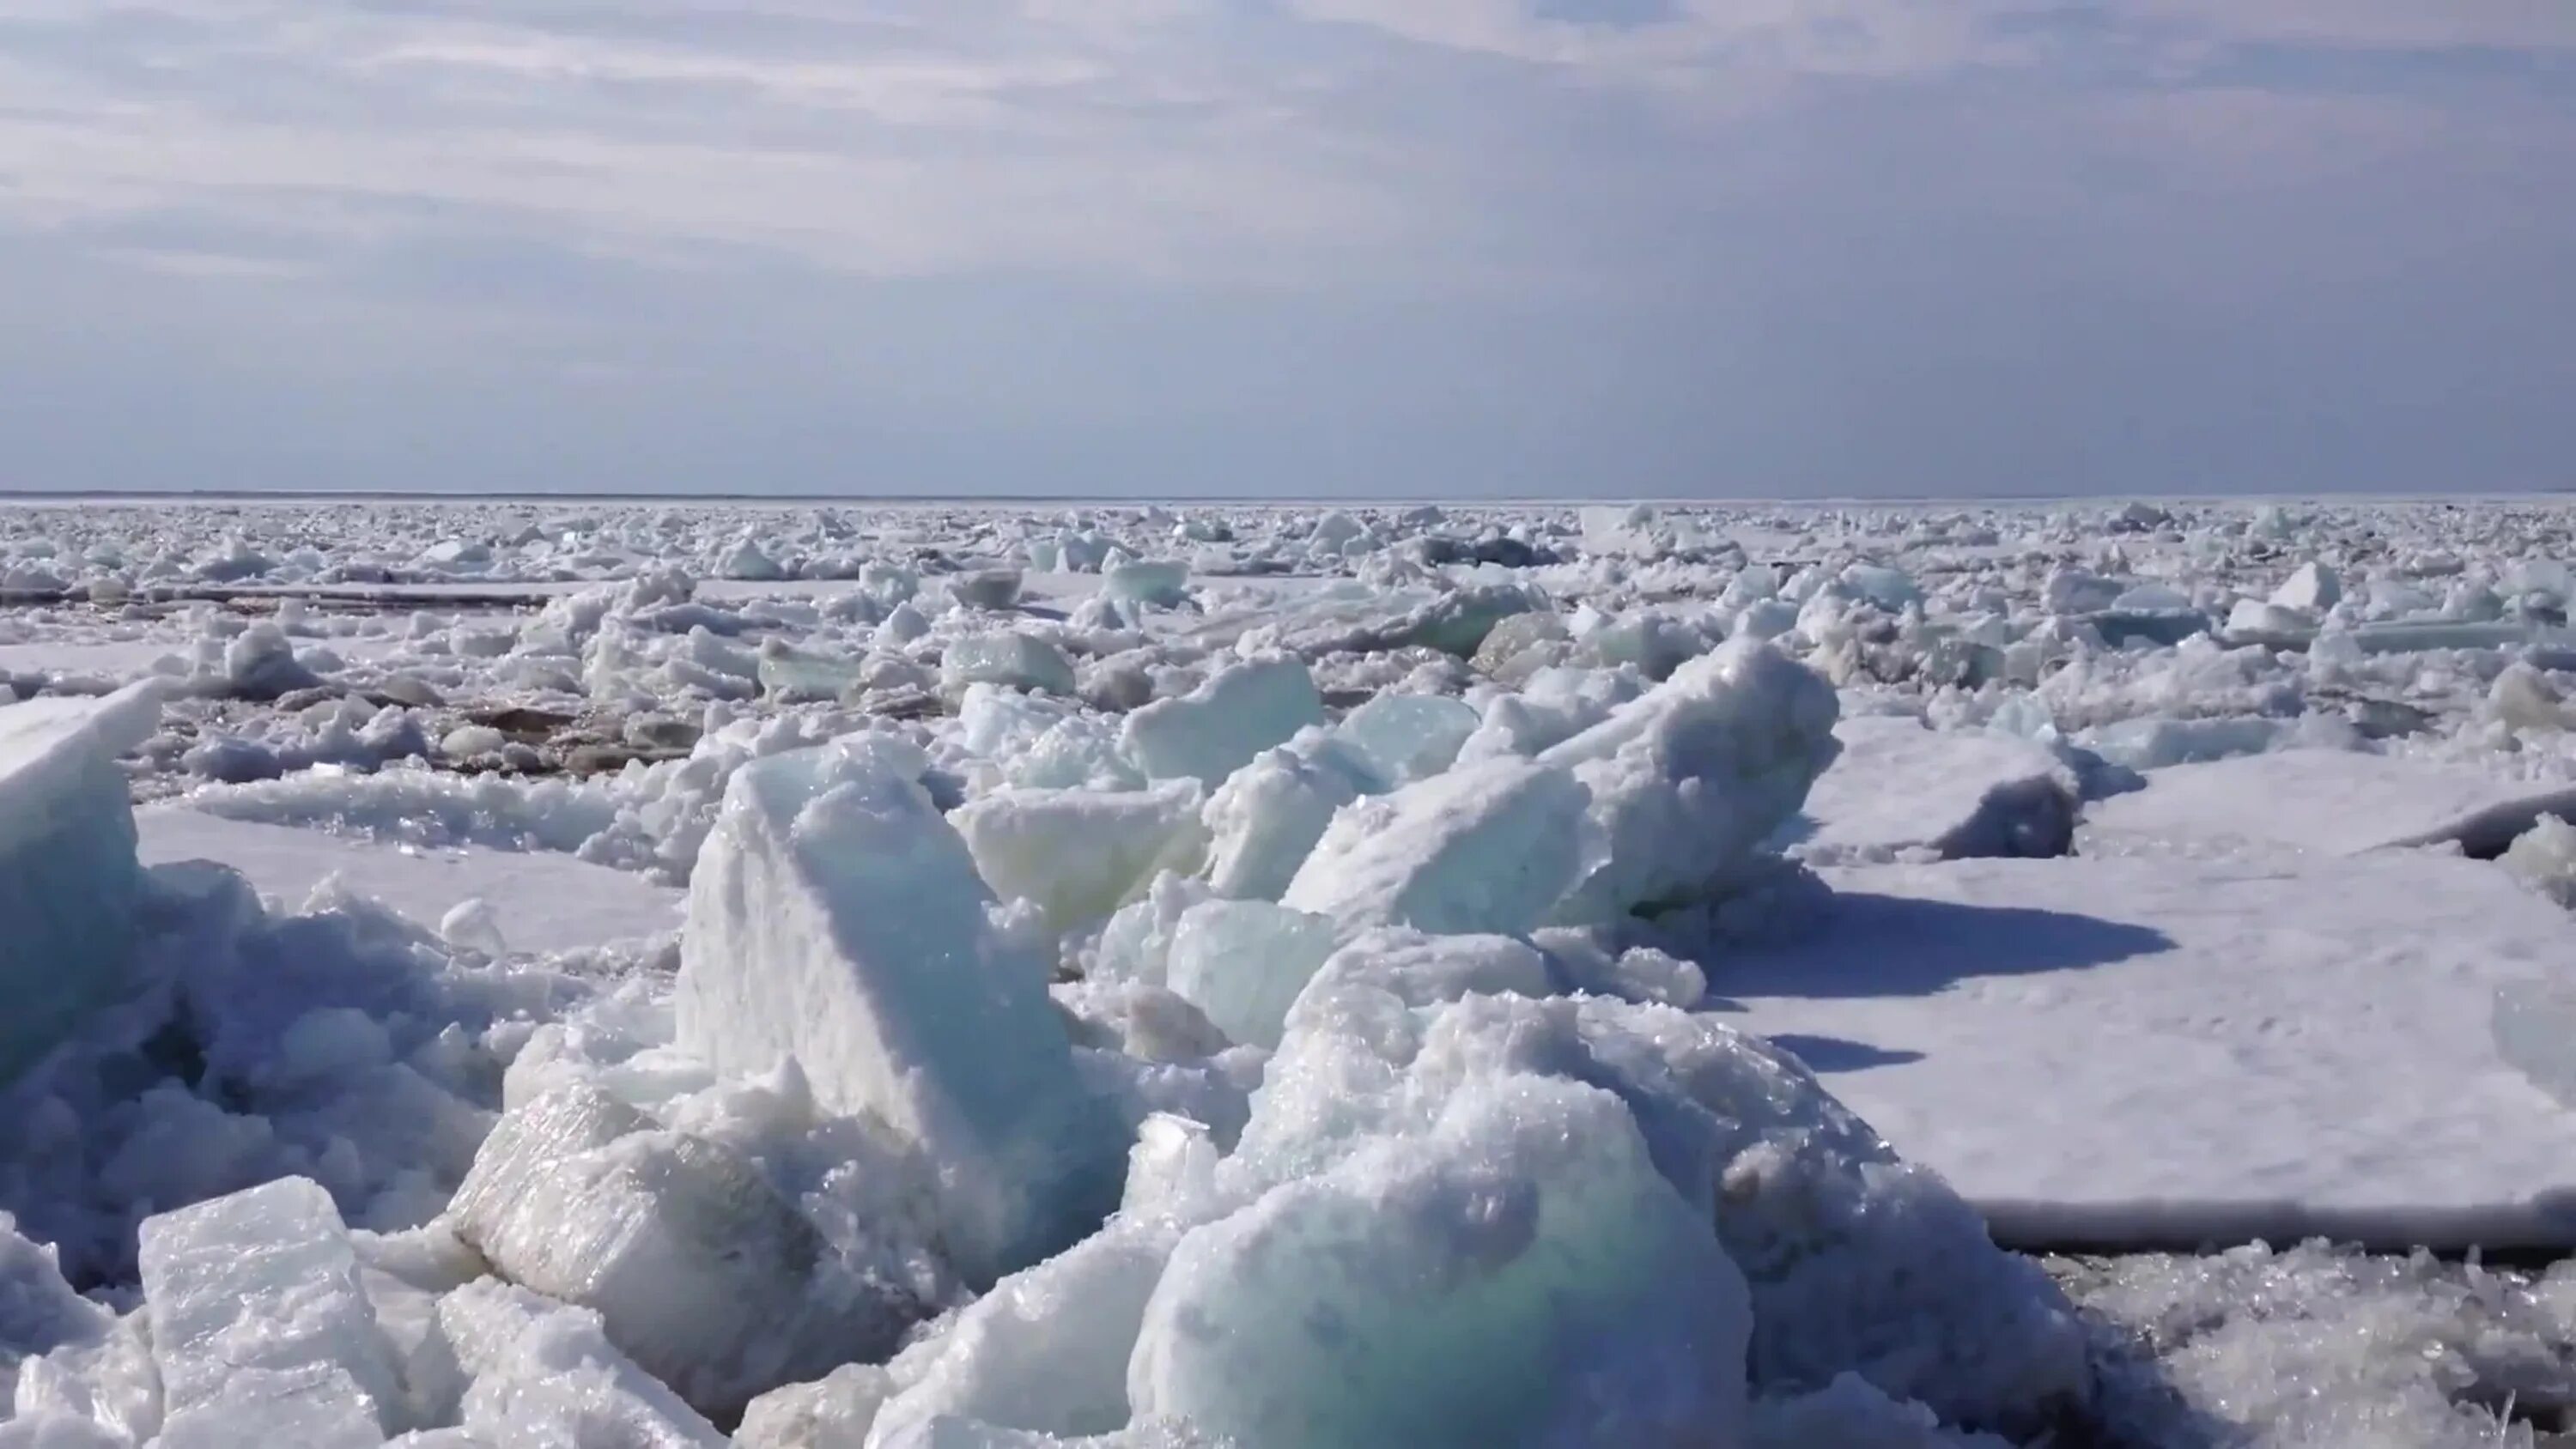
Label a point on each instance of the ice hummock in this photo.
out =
(69, 885)
(1518, 1273)
(837, 920)
(1688, 781)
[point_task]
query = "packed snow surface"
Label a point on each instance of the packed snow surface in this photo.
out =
(2330, 801)
(1899, 787)
(531, 901)
(2288, 1046)
(590, 974)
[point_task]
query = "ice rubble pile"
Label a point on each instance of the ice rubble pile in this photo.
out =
(692, 641)
(860, 1177)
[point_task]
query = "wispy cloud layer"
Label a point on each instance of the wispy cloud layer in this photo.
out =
(1644, 245)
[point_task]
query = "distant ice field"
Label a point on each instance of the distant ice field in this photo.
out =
(590, 971)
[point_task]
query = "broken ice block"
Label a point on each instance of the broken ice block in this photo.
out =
(833, 1412)
(49, 1430)
(2544, 858)
(108, 1382)
(791, 676)
(1408, 737)
(1421, 971)
(2272, 626)
(1217, 728)
(695, 1265)
(987, 588)
(1172, 1166)
(1242, 963)
(1517, 1274)
(1890, 589)
(836, 918)
(1899, 786)
(68, 878)
(1025, 1356)
(1020, 661)
(39, 1312)
(2313, 589)
(1688, 781)
(1081, 854)
(1269, 814)
(1486, 847)
(546, 1377)
(315, 1406)
(263, 1280)
(1160, 582)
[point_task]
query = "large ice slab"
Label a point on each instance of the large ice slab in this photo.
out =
(1010, 658)
(836, 919)
(539, 900)
(1690, 779)
(2155, 1048)
(1899, 787)
(1081, 854)
(264, 1282)
(694, 1264)
(1217, 728)
(1485, 847)
(68, 878)
(2335, 802)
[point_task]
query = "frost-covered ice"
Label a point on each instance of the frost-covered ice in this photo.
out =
(1168, 976)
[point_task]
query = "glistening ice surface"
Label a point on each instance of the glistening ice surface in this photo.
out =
(607, 974)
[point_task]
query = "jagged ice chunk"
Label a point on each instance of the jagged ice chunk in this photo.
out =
(836, 919)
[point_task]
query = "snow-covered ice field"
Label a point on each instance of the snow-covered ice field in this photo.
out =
(609, 974)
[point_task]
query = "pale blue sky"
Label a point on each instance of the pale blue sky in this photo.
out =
(1419, 247)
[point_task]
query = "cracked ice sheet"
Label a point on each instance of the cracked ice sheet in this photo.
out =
(2332, 801)
(541, 901)
(1899, 786)
(2162, 1051)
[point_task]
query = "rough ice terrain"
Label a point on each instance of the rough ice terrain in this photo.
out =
(602, 974)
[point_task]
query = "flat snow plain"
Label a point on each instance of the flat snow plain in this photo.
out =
(1002, 976)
